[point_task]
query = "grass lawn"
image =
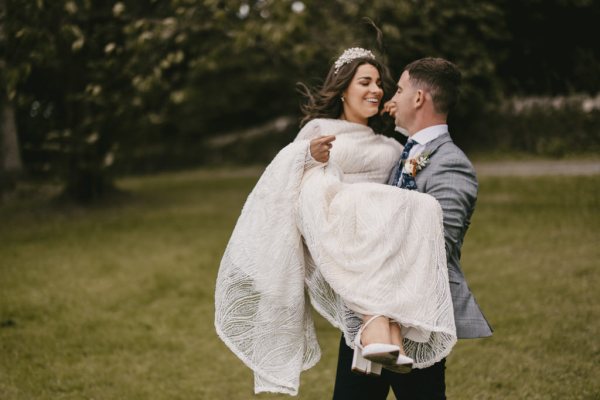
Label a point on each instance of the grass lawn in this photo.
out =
(117, 302)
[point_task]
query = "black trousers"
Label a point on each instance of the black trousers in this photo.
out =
(419, 384)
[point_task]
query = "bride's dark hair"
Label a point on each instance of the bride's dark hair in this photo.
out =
(326, 101)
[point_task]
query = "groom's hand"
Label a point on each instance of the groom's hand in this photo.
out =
(320, 148)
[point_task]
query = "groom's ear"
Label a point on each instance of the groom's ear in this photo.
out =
(419, 99)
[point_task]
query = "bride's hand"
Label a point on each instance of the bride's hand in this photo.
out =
(320, 148)
(390, 108)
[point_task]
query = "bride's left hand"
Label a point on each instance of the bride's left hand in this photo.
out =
(390, 108)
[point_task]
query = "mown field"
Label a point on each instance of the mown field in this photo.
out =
(116, 302)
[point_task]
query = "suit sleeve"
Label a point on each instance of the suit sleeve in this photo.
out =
(393, 173)
(455, 188)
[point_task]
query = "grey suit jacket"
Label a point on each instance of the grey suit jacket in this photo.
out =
(450, 178)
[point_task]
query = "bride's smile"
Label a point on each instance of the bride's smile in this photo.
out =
(362, 98)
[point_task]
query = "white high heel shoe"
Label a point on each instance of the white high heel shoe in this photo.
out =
(370, 358)
(362, 366)
(403, 363)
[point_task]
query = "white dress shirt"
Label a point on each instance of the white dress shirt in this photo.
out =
(424, 136)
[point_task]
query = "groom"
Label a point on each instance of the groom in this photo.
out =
(430, 163)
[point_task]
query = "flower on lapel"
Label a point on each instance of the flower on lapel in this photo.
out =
(414, 165)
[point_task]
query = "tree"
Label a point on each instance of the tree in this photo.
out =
(97, 74)
(10, 158)
(112, 81)
(105, 86)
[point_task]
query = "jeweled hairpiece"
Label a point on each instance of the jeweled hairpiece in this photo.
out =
(352, 54)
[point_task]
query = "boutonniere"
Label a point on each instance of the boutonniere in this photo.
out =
(414, 165)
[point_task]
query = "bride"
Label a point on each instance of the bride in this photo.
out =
(320, 227)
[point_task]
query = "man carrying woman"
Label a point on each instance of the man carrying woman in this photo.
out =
(371, 257)
(431, 163)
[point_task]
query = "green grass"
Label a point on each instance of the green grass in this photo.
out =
(117, 302)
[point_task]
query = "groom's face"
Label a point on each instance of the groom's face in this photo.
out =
(404, 102)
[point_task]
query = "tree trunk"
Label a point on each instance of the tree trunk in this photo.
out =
(10, 157)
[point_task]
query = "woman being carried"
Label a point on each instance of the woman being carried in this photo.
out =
(359, 248)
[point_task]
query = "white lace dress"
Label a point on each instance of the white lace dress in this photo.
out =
(352, 243)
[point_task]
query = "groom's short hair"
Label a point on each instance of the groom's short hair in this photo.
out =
(438, 76)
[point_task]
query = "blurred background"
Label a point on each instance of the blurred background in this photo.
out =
(97, 89)
(131, 133)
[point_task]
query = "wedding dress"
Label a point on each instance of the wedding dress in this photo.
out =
(336, 233)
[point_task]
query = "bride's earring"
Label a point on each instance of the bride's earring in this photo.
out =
(343, 99)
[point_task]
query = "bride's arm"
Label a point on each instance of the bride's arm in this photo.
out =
(319, 145)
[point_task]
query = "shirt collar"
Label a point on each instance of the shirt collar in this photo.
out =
(430, 133)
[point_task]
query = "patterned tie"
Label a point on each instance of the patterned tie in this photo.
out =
(402, 179)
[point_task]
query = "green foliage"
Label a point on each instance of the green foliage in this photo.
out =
(469, 33)
(117, 302)
(551, 128)
(108, 87)
(131, 80)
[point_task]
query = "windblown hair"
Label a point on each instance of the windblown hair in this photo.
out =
(326, 101)
(438, 76)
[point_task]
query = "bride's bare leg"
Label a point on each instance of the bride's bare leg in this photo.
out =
(378, 331)
(396, 336)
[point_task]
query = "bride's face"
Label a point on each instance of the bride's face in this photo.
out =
(362, 97)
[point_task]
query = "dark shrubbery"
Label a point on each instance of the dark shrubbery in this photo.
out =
(546, 127)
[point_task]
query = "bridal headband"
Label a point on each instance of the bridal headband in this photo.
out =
(351, 54)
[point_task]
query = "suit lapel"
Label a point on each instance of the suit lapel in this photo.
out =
(432, 146)
(430, 149)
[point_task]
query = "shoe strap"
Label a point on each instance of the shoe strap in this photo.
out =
(357, 340)
(362, 328)
(371, 320)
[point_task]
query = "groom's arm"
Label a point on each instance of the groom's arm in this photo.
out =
(393, 174)
(454, 184)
